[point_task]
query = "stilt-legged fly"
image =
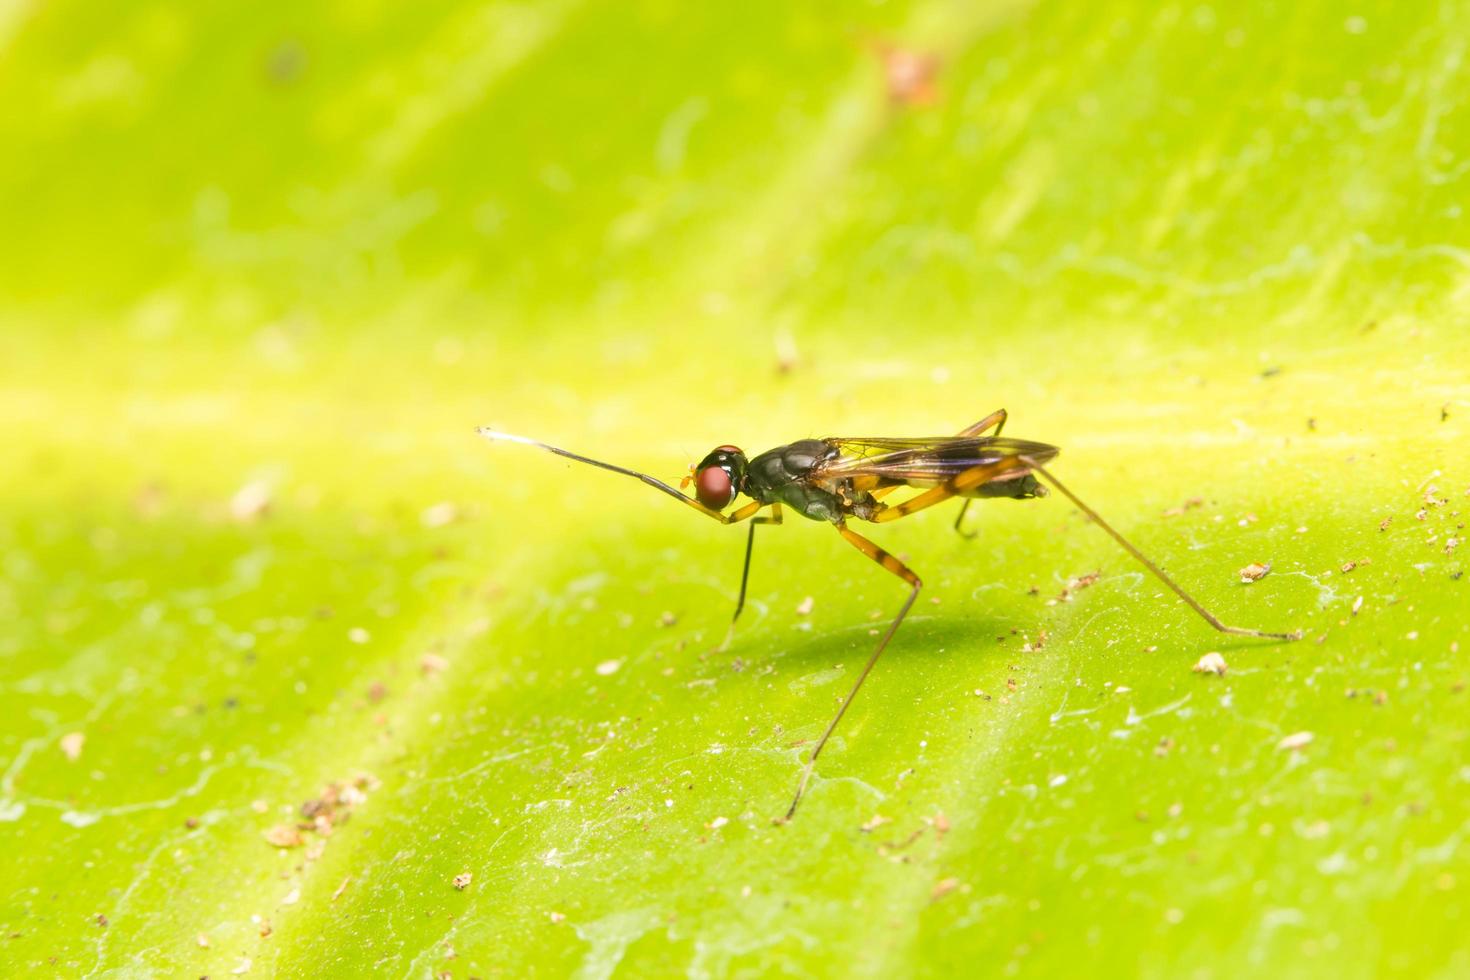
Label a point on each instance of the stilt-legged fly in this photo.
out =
(834, 480)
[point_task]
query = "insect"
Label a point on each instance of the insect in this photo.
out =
(837, 480)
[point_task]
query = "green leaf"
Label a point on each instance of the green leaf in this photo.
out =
(299, 677)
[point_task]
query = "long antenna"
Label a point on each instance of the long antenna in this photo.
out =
(1193, 603)
(496, 436)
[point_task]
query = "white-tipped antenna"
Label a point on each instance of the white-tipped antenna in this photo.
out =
(495, 435)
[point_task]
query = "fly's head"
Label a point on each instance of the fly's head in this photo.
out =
(719, 477)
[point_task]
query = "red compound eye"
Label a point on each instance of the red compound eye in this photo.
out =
(712, 487)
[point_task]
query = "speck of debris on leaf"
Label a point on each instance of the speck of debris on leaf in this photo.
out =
(202, 940)
(462, 880)
(441, 514)
(102, 920)
(667, 619)
(334, 804)
(359, 635)
(71, 745)
(1357, 605)
(432, 663)
(943, 887)
(1074, 586)
(341, 888)
(1211, 663)
(251, 502)
(1254, 572)
(556, 917)
(609, 667)
(876, 822)
(283, 835)
(1295, 741)
(243, 968)
(909, 75)
(805, 609)
(1189, 504)
(941, 823)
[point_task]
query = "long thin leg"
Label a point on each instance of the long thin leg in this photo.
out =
(957, 484)
(1192, 602)
(774, 518)
(997, 419)
(898, 568)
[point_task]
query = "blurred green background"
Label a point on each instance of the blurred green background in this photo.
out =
(264, 267)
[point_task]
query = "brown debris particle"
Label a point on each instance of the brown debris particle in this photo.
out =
(432, 663)
(462, 880)
(909, 75)
(1349, 566)
(1189, 504)
(1211, 663)
(941, 823)
(1083, 581)
(102, 920)
(283, 835)
(377, 692)
(876, 822)
(1383, 524)
(667, 619)
(943, 888)
(71, 745)
(1254, 572)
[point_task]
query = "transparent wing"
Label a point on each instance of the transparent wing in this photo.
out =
(922, 460)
